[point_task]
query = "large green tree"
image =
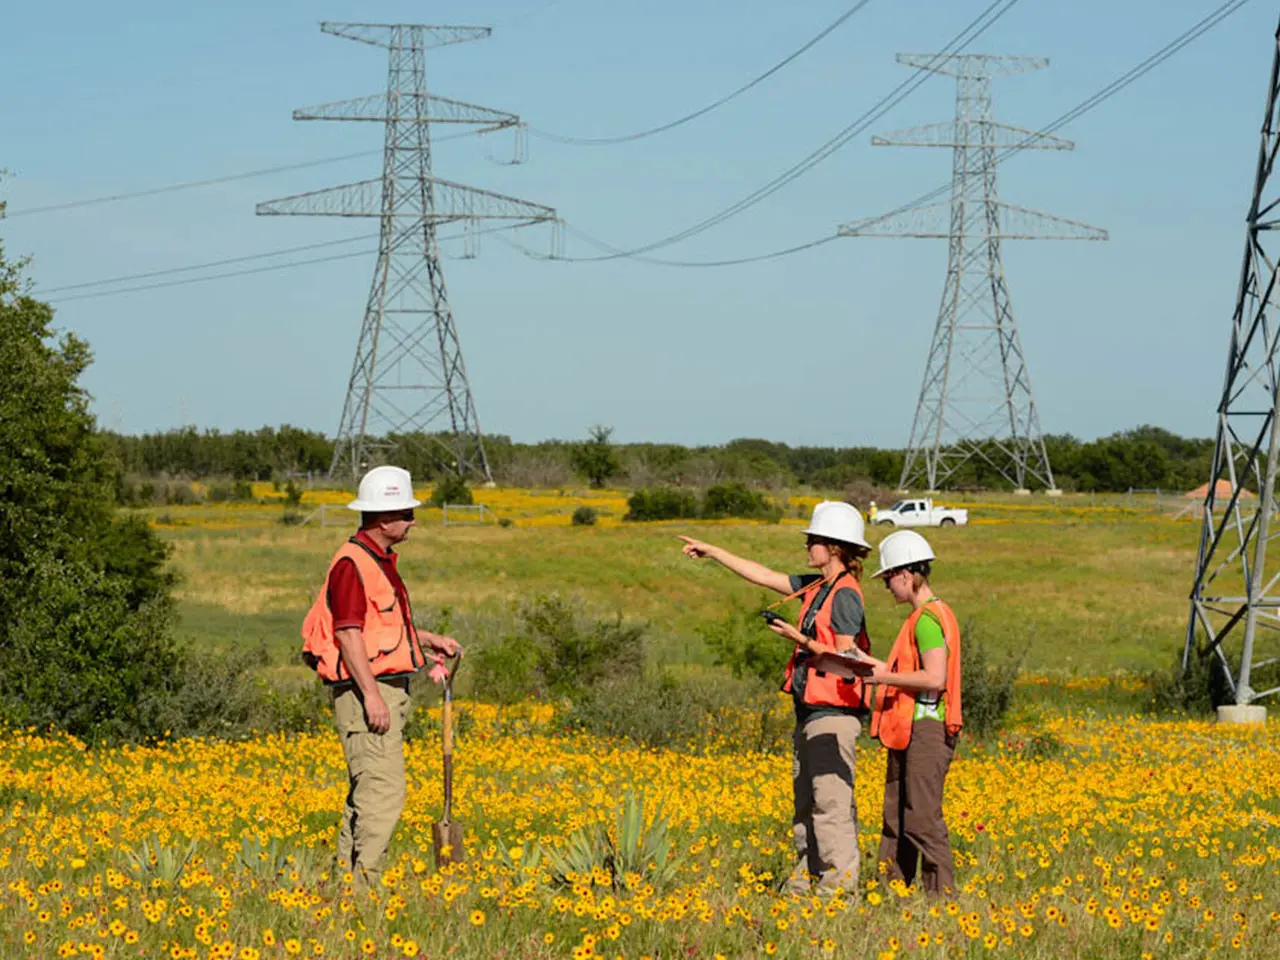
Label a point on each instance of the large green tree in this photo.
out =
(84, 593)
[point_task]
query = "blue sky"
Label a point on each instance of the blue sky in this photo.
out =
(825, 347)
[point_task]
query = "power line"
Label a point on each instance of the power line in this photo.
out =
(659, 261)
(214, 276)
(194, 184)
(236, 273)
(640, 135)
(1139, 70)
(1135, 73)
(204, 266)
(1188, 36)
(974, 29)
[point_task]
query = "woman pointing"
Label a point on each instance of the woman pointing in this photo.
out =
(829, 709)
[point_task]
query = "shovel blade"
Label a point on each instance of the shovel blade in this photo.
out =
(446, 838)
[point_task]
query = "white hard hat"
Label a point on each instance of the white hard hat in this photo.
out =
(383, 489)
(836, 520)
(901, 549)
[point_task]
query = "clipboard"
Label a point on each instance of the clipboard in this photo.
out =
(840, 664)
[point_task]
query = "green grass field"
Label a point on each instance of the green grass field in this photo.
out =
(1079, 830)
(1076, 588)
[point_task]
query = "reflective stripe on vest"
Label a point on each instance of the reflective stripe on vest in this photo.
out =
(822, 689)
(894, 711)
(390, 640)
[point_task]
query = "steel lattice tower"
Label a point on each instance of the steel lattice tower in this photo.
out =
(1235, 592)
(975, 400)
(408, 378)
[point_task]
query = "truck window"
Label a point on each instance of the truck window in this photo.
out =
(908, 507)
(897, 506)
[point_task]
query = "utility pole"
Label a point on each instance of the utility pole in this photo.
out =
(975, 400)
(1235, 591)
(408, 380)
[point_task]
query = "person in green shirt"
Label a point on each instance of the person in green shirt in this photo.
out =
(911, 718)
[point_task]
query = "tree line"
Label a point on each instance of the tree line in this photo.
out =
(1145, 457)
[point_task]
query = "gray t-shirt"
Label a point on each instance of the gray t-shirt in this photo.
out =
(847, 618)
(846, 610)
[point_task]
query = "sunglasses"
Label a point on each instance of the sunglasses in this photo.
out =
(400, 515)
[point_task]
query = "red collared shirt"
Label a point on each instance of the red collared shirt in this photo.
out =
(346, 596)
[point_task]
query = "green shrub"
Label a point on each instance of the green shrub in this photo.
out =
(584, 517)
(292, 494)
(651, 711)
(231, 491)
(723, 500)
(84, 659)
(1198, 690)
(987, 686)
(181, 495)
(452, 490)
(504, 672)
(714, 712)
(662, 503)
(743, 643)
(736, 500)
(556, 649)
(292, 518)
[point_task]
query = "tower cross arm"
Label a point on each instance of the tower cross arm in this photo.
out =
(448, 202)
(391, 36)
(934, 221)
(971, 65)
(409, 108)
(975, 133)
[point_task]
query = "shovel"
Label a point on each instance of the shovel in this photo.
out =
(446, 834)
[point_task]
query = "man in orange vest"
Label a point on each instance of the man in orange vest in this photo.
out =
(360, 638)
(916, 717)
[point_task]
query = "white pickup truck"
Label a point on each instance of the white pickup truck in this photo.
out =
(921, 513)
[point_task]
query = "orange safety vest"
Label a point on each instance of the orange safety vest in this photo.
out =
(822, 689)
(390, 638)
(895, 708)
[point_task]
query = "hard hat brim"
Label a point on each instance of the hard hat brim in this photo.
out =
(366, 506)
(810, 531)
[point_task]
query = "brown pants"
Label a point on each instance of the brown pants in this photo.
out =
(825, 825)
(375, 771)
(913, 823)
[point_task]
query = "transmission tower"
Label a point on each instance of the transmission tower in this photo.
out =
(976, 400)
(1235, 593)
(408, 379)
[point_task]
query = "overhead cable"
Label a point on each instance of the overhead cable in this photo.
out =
(266, 255)
(212, 181)
(1139, 70)
(233, 273)
(974, 29)
(1136, 72)
(1105, 93)
(663, 128)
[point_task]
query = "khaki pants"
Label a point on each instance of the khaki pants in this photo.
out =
(375, 768)
(825, 825)
(913, 823)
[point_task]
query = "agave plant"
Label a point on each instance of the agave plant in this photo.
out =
(153, 859)
(272, 859)
(627, 848)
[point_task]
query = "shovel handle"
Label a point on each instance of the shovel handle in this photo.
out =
(447, 724)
